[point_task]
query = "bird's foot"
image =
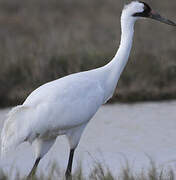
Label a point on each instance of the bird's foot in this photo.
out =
(31, 175)
(68, 175)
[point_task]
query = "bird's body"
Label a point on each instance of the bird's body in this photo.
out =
(62, 100)
(66, 105)
(60, 107)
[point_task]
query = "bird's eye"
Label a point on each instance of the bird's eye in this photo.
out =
(147, 8)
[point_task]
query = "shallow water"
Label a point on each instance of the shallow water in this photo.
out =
(117, 132)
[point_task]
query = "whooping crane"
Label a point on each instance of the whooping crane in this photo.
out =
(65, 106)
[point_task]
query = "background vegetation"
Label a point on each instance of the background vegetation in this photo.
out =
(41, 40)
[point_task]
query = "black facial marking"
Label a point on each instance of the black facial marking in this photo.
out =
(145, 13)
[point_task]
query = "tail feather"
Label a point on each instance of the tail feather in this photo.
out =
(14, 131)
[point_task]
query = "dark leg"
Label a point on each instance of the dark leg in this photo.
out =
(69, 166)
(31, 174)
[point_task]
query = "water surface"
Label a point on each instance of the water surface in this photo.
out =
(119, 131)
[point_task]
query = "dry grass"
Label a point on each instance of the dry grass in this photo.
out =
(41, 40)
(102, 173)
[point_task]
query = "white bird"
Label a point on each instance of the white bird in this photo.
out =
(65, 106)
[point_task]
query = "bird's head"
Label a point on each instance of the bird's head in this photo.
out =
(139, 9)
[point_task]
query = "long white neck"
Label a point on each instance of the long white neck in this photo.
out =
(115, 67)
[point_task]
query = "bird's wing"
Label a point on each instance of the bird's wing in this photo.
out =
(64, 103)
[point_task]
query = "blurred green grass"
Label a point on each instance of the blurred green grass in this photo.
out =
(47, 39)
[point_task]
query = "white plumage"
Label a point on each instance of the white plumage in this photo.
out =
(65, 106)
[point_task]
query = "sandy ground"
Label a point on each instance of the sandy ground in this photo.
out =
(117, 131)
